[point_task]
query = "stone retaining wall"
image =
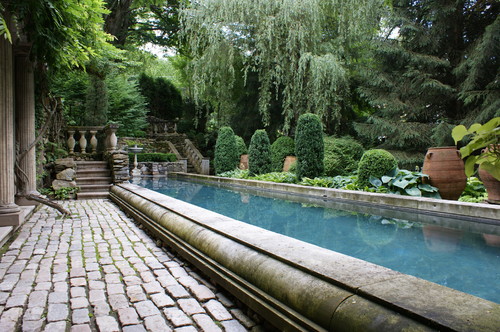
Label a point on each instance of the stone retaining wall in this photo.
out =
(298, 286)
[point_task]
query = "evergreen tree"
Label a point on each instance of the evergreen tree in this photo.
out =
(432, 71)
(163, 98)
(96, 103)
(226, 151)
(259, 153)
(309, 146)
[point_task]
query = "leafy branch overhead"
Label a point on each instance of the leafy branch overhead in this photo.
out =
(485, 140)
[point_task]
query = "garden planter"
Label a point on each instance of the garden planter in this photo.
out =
(492, 186)
(289, 160)
(446, 171)
(244, 161)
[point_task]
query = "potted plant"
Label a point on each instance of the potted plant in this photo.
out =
(482, 150)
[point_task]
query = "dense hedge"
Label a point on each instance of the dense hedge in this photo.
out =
(226, 151)
(309, 146)
(241, 146)
(153, 157)
(342, 155)
(282, 147)
(375, 163)
(259, 153)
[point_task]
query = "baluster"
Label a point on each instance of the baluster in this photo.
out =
(71, 141)
(93, 141)
(111, 139)
(83, 142)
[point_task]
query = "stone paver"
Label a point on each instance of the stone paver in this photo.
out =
(98, 271)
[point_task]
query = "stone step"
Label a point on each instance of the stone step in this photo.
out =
(92, 172)
(91, 164)
(92, 195)
(94, 188)
(93, 180)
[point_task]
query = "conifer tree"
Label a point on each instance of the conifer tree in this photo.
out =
(441, 66)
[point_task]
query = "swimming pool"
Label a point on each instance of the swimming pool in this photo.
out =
(466, 261)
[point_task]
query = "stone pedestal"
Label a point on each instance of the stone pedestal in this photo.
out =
(25, 125)
(10, 214)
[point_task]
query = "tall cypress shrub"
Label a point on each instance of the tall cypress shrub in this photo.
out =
(226, 151)
(282, 147)
(309, 146)
(259, 153)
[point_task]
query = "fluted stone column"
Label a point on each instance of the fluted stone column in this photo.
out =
(9, 212)
(25, 124)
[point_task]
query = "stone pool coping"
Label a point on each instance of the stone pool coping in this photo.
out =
(299, 286)
(478, 212)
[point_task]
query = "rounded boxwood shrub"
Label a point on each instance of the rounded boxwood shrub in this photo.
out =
(282, 147)
(375, 163)
(259, 153)
(309, 146)
(342, 155)
(226, 152)
(241, 146)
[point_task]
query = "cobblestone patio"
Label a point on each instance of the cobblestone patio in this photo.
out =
(98, 271)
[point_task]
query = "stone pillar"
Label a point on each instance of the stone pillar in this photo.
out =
(25, 125)
(10, 214)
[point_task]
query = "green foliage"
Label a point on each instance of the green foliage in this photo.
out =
(131, 143)
(240, 144)
(53, 151)
(163, 99)
(61, 193)
(96, 103)
(296, 49)
(153, 157)
(236, 174)
(127, 107)
(342, 155)
(282, 147)
(226, 151)
(259, 153)
(278, 177)
(442, 64)
(375, 163)
(474, 191)
(484, 139)
(403, 182)
(63, 33)
(309, 146)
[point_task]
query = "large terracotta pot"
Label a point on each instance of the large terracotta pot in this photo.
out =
(243, 161)
(446, 171)
(289, 160)
(492, 186)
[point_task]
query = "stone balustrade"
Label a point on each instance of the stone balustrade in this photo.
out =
(83, 140)
(200, 163)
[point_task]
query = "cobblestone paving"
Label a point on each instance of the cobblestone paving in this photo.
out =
(97, 271)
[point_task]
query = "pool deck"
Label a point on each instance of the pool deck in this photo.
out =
(98, 271)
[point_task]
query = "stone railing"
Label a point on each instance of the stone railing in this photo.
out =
(200, 163)
(83, 140)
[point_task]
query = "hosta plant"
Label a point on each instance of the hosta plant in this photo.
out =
(403, 182)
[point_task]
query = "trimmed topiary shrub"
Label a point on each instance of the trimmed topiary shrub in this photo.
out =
(226, 152)
(282, 147)
(375, 163)
(342, 155)
(259, 153)
(309, 146)
(241, 146)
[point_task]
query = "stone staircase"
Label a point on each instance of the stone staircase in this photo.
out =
(93, 178)
(178, 142)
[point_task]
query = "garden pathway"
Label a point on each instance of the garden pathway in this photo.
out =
(98, 271)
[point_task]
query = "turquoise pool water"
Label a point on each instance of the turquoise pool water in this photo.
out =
(465, 261)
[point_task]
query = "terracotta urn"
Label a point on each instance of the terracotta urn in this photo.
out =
(243, 161)
(446, 171)
(491, 184)
(289, 160)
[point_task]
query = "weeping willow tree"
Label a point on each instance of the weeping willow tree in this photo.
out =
(297, 48)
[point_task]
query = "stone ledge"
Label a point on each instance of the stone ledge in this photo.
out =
(485, 213)
(298, 285)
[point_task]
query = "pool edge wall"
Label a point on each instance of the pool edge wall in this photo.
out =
(298, 286)
(488, 213)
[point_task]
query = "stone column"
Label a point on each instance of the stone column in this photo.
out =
(10, 214)
(25, 124)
